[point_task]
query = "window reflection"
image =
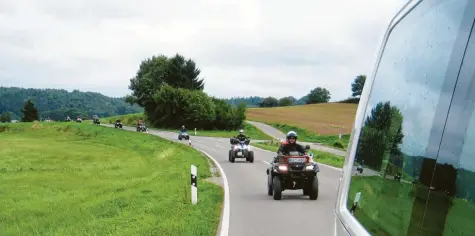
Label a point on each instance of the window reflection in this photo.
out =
(400, 186)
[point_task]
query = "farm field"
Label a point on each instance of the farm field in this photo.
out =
(322, 119)
(81, 179)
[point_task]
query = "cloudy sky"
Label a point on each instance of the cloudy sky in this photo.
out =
(243, 47)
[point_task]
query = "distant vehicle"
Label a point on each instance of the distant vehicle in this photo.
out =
(118, 124)
(240, 149)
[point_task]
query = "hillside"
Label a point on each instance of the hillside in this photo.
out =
(58, 103)
(323, 118)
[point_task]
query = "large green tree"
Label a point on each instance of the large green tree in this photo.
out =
(318, 95)
(6, 117)
(358, 85)
(269, 102)
(287, 101)
(30, 113)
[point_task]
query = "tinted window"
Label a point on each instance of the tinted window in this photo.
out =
(402, 179)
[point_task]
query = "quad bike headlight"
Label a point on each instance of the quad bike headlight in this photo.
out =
(283, 168)
(309, 167)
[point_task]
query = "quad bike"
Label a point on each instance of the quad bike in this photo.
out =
(142, 128)
(183, 135)
(79, 120)
(96, 122)
(240, 149)
(359, 169)
(118, 124)
(293, 172)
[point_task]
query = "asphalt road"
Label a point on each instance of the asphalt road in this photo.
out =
(252, 211)
(277, 134)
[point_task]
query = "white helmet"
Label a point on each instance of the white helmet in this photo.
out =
(241, 131)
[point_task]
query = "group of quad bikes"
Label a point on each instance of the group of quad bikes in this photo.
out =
(294, 171)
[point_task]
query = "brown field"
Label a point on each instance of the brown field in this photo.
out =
(324, 118)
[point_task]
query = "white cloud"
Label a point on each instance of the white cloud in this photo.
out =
(243, 47)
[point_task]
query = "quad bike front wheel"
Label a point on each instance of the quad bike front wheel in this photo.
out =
(277, 188)
(250, 157)
(313, 189)
(270, 190)
(231, 156)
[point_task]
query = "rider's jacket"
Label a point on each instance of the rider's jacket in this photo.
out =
(184, 130)
(286, 148)
(241, 137)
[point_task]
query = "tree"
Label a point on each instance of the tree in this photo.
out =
(287, 101)
(153, 72)
(318, 95)
(357, 85)
(30, 113)
(269, 102)
(6, 117)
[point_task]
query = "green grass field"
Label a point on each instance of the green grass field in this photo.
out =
(249, 130)
(318, 156)
(312, 137)
(386, 207)
(81, 179)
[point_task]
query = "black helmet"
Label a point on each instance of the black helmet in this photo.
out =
(291, 134)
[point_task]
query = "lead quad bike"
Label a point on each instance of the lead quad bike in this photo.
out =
(141, 128)
(240, 149)
(183, 135)
(293, 172)
(118, 124)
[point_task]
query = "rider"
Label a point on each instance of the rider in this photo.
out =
(183, 129)
(241, 136)
(290, 145)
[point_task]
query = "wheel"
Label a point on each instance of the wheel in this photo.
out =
(251, 157)
(277, 188)
(269, 186)
(233, 158)
(230, 155)
(313, 189)
(179, 138)
(305, 192)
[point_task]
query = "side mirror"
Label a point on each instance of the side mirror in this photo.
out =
(307, 147)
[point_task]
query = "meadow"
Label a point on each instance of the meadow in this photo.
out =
(80, 179)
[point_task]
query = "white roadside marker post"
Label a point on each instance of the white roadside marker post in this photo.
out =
(195, 131)
(355, 203)
(194, 185)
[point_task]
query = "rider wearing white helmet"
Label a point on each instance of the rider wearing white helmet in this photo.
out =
(241, 136)
(290, 144)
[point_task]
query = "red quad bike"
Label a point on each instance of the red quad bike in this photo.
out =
(293, 172)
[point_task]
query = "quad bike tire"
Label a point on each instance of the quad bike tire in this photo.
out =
(270, 190)
(180, 138)
(313, 189)
(250, 157)
(232, 159)
(276, 188)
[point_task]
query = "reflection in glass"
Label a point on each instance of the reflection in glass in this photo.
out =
(398, 185)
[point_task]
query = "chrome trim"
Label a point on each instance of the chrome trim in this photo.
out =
(353, 227)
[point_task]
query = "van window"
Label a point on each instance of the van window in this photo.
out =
(401, 173)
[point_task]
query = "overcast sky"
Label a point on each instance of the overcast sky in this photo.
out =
(243, 47)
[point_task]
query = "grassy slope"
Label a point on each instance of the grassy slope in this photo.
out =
(249, 130)
(319, 156)
(385, 207)
(80, 179)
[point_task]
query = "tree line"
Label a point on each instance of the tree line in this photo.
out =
(59, 103)
(170, 91)
(316, 95)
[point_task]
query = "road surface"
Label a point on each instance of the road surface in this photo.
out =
(252, 211)
(277, 134)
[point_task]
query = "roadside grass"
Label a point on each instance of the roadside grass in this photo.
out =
(323, 118)
(386, 207)
(80, 179)
(318, 156)
(308, 136)
(249, 130)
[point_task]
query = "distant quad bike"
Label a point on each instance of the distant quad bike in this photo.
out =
(293, 172)
(96, 122)
(118, 124)
(397, 177)
(183, 135)
(142, 128)
(79, 119)
(240, 149)
(359, 169)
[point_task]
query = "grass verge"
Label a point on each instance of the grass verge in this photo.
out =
(318, 156)
(80, 179)
(249, 130)
(308, 136)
